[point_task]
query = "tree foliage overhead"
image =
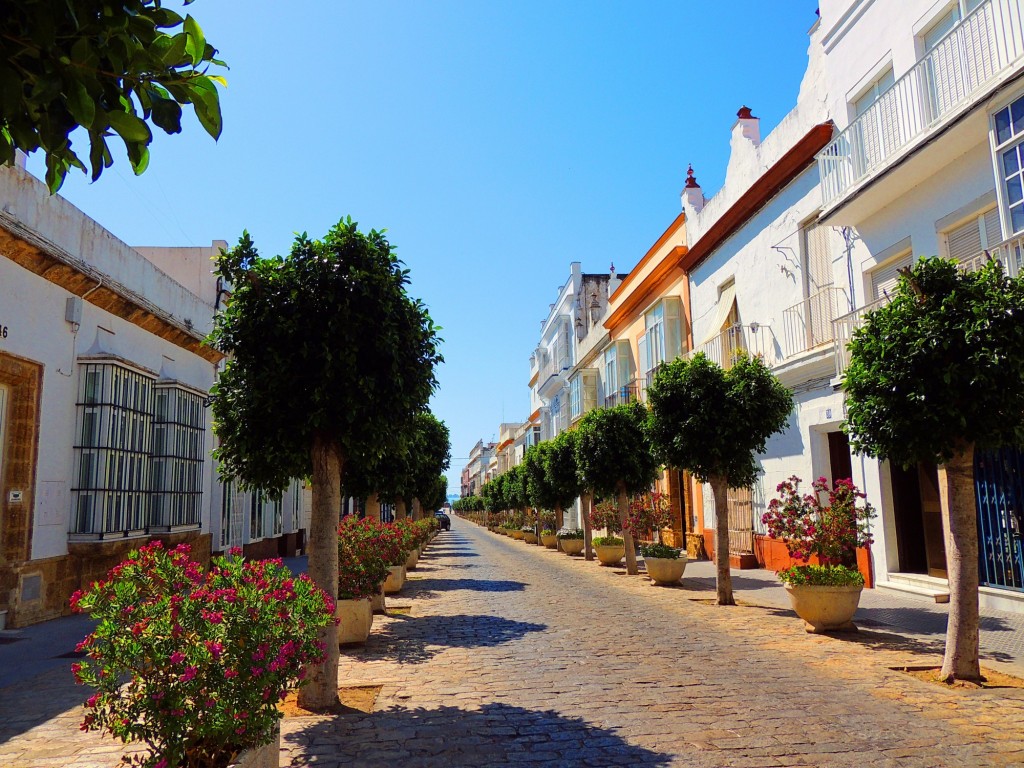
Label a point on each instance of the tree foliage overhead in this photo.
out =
(539, 490)
(612, 446)
(713, 422)
(322, 343)
(516, 492)
(940, 366)
(111, 68)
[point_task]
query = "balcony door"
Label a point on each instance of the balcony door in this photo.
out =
(819, 310)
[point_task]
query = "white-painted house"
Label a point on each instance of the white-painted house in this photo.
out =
(105, 433)
(928, 100)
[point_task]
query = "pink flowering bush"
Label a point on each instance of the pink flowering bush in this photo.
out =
(648, 513)
(830, 532)
(366, 550)
(193, 663)
(605, 514)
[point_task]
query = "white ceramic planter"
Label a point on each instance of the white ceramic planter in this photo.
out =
(664, 571)
(267, 756)
(610, 554)
(550, 540)
(411, 559)
(573, 546)
(377, 602)
(356, 618)
(395, 580)
(825, 609)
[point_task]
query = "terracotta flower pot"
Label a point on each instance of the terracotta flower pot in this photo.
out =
(825, 609)
(664, 571)
(517, 535)
(356, 619)
(573, 546)
(549, 540)
(610, 554)
(395, 580)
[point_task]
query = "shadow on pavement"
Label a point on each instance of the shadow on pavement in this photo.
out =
(417, 639)
(477, 585)
(494, 735)
(703, 583)
(924, 621)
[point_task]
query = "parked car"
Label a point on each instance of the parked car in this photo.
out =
(443, 520)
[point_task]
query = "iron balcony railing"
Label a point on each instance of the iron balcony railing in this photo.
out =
(809, 323)
(756, 340)
(624, 394)
(961, 66)
(1010, 252)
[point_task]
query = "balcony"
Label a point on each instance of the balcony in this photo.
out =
(756, 340)
(623, 395)
(960, 69)
(808, 324)
(1010, 252)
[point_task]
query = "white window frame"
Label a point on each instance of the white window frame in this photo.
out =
(1015, 141)
(575, 397)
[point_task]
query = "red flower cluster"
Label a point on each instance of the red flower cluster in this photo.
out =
(187, 643)
(831, 532)
(648, 513)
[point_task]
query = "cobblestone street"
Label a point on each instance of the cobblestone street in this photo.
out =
(510, 654)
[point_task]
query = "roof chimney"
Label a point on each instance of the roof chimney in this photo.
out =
(613, 279)
(747, 126)
(692, 196)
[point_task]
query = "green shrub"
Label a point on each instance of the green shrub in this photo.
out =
(574, 533)
(608, 541)
(663, 551)
(821, 576)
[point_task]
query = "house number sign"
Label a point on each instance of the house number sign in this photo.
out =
(3, 331)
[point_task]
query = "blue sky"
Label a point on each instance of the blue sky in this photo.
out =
(495, 141)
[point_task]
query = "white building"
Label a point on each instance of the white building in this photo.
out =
(928, 100)
(105, 433)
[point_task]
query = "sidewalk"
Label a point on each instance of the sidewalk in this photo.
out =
(917, 618)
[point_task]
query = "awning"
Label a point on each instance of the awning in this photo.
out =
(726, 301)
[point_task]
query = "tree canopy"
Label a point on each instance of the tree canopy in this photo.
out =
(561, 469)
(111, 68)
(612, 446)
(711, 421)
(940, 366)
(431, 455)
(539, 490)
(324, 341)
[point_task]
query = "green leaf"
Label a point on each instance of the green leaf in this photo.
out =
(196, 46)
(167, 115)
(80, 104)
(129, 127)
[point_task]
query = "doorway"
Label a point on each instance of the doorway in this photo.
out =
(839, 458)
(917, 514)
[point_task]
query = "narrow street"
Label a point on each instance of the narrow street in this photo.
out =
(512, 654)
(500, 653)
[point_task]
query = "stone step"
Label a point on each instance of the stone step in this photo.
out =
(917, 584)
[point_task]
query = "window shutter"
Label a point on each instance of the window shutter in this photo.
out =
(673, 327)
(642, 354)
(964, 242)
(883, 279)
(817, 258)
(993, 229)
(624, 363)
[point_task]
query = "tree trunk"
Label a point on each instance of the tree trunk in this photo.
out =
(720, 488)
(559, 517)
(417, 510)
(321, 689)
(960, 526)
(400, 513)
(627, 536)
(537, 526)
(587, 501)
(373, 506)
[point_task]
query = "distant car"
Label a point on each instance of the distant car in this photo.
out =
(443, 520)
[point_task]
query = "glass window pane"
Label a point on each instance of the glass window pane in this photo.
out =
(1017, 112)
(1011, 162)
(1013, 190)
(1017, 217)
(1003, 125)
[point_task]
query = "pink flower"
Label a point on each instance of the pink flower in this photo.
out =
(188, 674)
(177, 657)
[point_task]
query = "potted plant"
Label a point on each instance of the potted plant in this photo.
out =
(547, 530)
(366, 549)
(610, 549)
(571, 541)
(529, 534)
(665, 564)
(193, 663)
(825, 593)
(406, 536)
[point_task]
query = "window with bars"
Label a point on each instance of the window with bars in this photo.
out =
(114, 430)
(177, 459)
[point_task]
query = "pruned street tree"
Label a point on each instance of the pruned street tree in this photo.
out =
(712, 423)
(328, 357)
(539, 490)
(431, 455)
(615, 460)
(563, 474)
(934, 375)
(109, 68)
